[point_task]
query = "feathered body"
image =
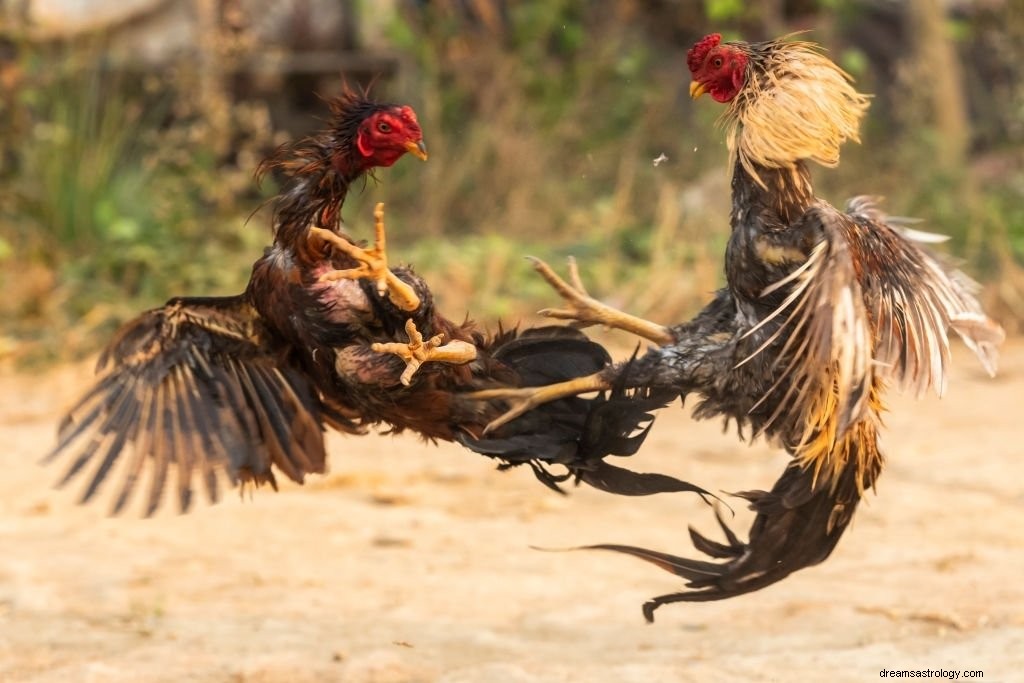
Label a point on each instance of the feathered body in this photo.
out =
(832, 304)
(225, 384)
(823, 310)
(244, 385)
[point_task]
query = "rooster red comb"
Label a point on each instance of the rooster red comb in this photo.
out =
(696, 54)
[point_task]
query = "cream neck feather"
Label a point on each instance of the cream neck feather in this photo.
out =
(797, 105)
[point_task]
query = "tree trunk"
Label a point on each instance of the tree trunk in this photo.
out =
(940, 78)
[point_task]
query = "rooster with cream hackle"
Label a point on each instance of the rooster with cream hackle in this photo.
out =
(824, 308)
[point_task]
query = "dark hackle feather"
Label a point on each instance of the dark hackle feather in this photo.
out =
(318, 170)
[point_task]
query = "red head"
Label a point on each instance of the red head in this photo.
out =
(385, 135)
(717, 69)
(319, 170)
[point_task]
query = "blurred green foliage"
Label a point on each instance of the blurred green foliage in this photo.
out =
(113, 201)
(543, 123)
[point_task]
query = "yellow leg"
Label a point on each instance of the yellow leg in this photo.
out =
(589, 311)
(525, 399)
(417, 351)
(373, 264)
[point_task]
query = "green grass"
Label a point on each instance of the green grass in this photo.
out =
(120, 193)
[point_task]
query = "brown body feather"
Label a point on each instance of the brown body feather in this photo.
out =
(242, 386)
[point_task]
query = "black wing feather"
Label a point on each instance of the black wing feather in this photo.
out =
(196, 386)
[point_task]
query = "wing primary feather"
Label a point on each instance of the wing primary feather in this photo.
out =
(72, 427)
(205, 453)
(182, 439)
(142, 442)
(98, 435)
(120, 424)
(290, 418)
(161, 456)
(266, 429)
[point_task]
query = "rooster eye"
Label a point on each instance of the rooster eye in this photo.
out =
(384, 127)
(717, 62)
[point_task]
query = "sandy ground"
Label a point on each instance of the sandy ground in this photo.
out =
(412, 562)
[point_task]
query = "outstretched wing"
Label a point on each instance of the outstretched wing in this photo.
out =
(195, 387)
(915, 297)
(869, 305)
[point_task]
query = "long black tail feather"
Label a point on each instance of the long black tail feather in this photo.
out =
(798, 524)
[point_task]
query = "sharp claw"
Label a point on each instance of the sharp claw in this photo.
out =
(574, 275)
(410, 371)
(373, 264)
(503, 420)
(417, 351)
(559, 313)
(525, 399)
(584, 310)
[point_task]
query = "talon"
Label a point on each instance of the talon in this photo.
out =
(524, 399)
(372, 264)
(417, 351)
(586, 310)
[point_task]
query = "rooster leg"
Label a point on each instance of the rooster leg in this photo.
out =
(373, 264)
(525, 399)
(417, 351)
(586, 310)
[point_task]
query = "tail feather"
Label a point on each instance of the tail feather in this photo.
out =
(798, 524)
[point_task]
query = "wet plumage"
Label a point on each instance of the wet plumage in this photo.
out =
(824, 309)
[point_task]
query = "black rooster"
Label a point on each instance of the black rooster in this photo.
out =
(823, 308)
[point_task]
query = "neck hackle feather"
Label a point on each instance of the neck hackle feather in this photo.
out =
(318, 170)
(796, 104)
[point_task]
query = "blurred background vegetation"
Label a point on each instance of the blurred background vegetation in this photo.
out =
(129, 133)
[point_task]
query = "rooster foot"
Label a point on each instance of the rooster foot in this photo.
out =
(373, 264)
(586, 310)
(417, 351)
(524, 399)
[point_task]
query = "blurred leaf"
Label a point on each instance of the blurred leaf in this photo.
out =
(959, 30)
(123, 230)
(723, 10)
(854, 61)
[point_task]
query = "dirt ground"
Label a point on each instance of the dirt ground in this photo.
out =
(412, 562)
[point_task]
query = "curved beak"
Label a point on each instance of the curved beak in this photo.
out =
(417, 149)
(697, 89)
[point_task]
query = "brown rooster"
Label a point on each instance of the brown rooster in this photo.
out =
(327, 334)
(204, 385)
(823, 309)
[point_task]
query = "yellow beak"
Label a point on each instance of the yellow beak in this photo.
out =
(697, 89)
(417, 149)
